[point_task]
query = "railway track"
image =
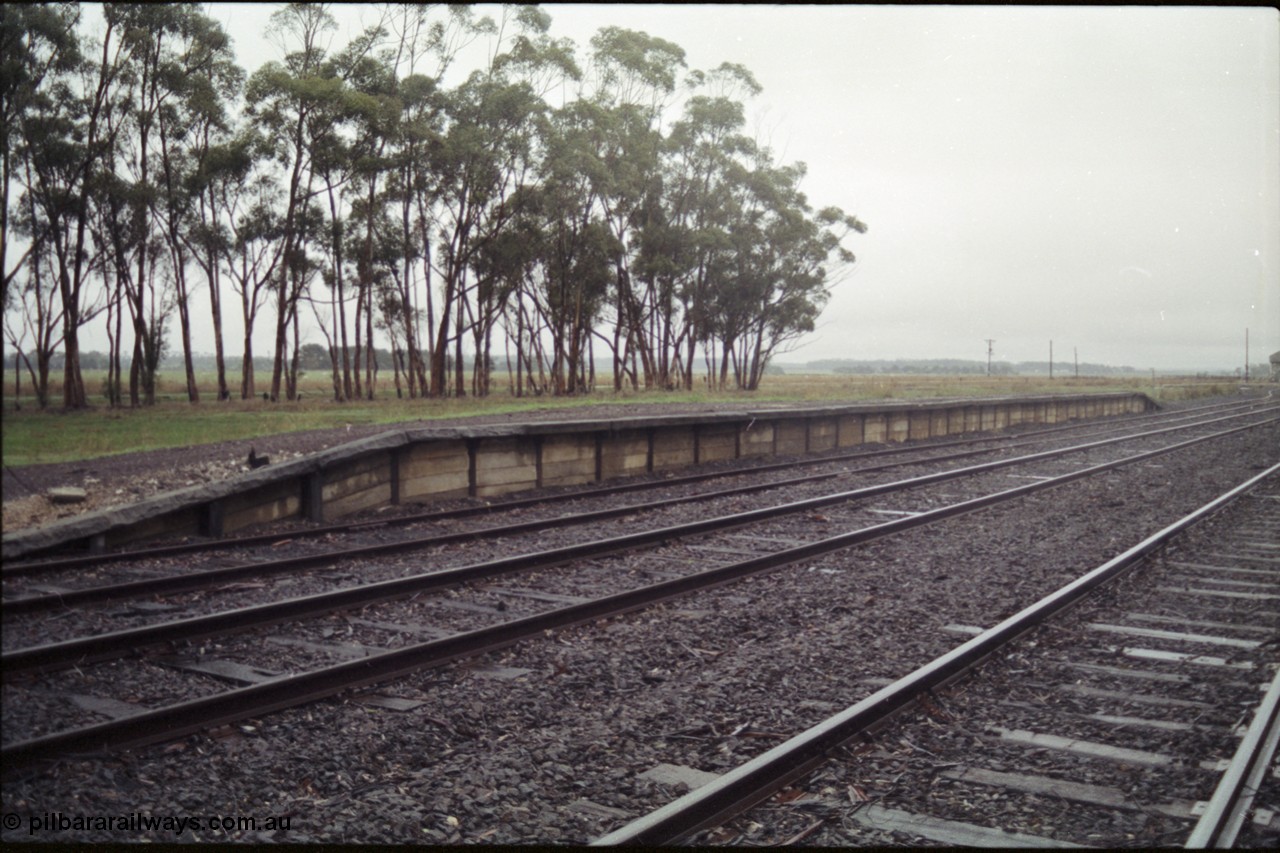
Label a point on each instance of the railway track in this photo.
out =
(1133, 719)
(373, 664)
(563, 738)
(102, 644)
(23, 596)
(17, 569)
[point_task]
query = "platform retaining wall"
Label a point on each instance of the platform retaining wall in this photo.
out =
(420, 465)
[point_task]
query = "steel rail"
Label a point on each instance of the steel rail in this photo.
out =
(15, 569)
(256, 700)
(1229, 806)
(224, 574)
(121, 643)
(197, 580)
(754, 781)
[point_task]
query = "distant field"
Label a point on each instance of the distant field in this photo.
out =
(32, 436)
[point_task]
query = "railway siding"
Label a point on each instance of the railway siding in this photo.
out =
(426, 464)
(1106, 726)
(561, 738)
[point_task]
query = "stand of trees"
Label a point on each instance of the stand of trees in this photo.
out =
(545, 210)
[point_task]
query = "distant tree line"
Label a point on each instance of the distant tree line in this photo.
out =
(545, 209)
(946, 366)
(960, 367)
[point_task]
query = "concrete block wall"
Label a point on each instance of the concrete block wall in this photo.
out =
(437, 469)
(822, 435)
(757, 439)
(622, 454)
(673, 447)
(420, 465)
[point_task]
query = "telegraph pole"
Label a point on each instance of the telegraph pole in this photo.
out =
(1246, 353)
(1051, 358)
(1075, 352)
(990, 343)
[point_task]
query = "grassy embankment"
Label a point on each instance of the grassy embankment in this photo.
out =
(32, 436)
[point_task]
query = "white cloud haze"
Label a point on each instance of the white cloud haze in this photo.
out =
(1107, 178)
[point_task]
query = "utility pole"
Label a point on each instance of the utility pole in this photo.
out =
(1246, 353)
(1075, 352)
(990, 344)
(1050, 359)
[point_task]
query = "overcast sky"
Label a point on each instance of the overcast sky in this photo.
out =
(1105, 178)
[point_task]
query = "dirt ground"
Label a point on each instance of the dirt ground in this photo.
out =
(130, 477)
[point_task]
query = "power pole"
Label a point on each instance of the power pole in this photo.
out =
(990, 343)
(1051, 359)
(1246, 353)
(1075, 352)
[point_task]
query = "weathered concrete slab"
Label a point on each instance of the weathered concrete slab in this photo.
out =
(675, 774)
(1096, 795)
(717, 443)
(434, 469)
(757, 438)
(1091, 749)
(111, 708)
(596, 810)
(502, 673)
(672, 448)
(623, 454)
(918, 424)
(390, 703)
(227, 670)
(570, 460)
(899, 426)
(790, 437)
(951, 832)
(849, 428)
(67, 495)
(876, 428)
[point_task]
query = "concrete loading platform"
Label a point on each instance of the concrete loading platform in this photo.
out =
(423, 464)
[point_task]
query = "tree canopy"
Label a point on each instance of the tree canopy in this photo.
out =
(550, 212)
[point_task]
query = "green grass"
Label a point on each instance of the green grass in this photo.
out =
(32, 436)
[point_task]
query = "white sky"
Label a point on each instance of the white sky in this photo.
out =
(1105, 178)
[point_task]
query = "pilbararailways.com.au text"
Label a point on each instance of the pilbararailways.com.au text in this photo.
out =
(136, 822)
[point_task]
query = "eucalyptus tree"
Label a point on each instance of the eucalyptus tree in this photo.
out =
(810, 256)
(775, 282)
(331, 160)
(412, 176)
(634, 77)
(246, 194)
(576, 250)
(185, 73)
(194, 139)
(485, 156)
(511, 263)
(683, 239)
(35, 302)
(370, 105)
(425, 47)
(38, 45)
(282, 99)
(39, 51)
(128, 191)
(220, 166)
(121, 237)
(535, 63)
(65, 137)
